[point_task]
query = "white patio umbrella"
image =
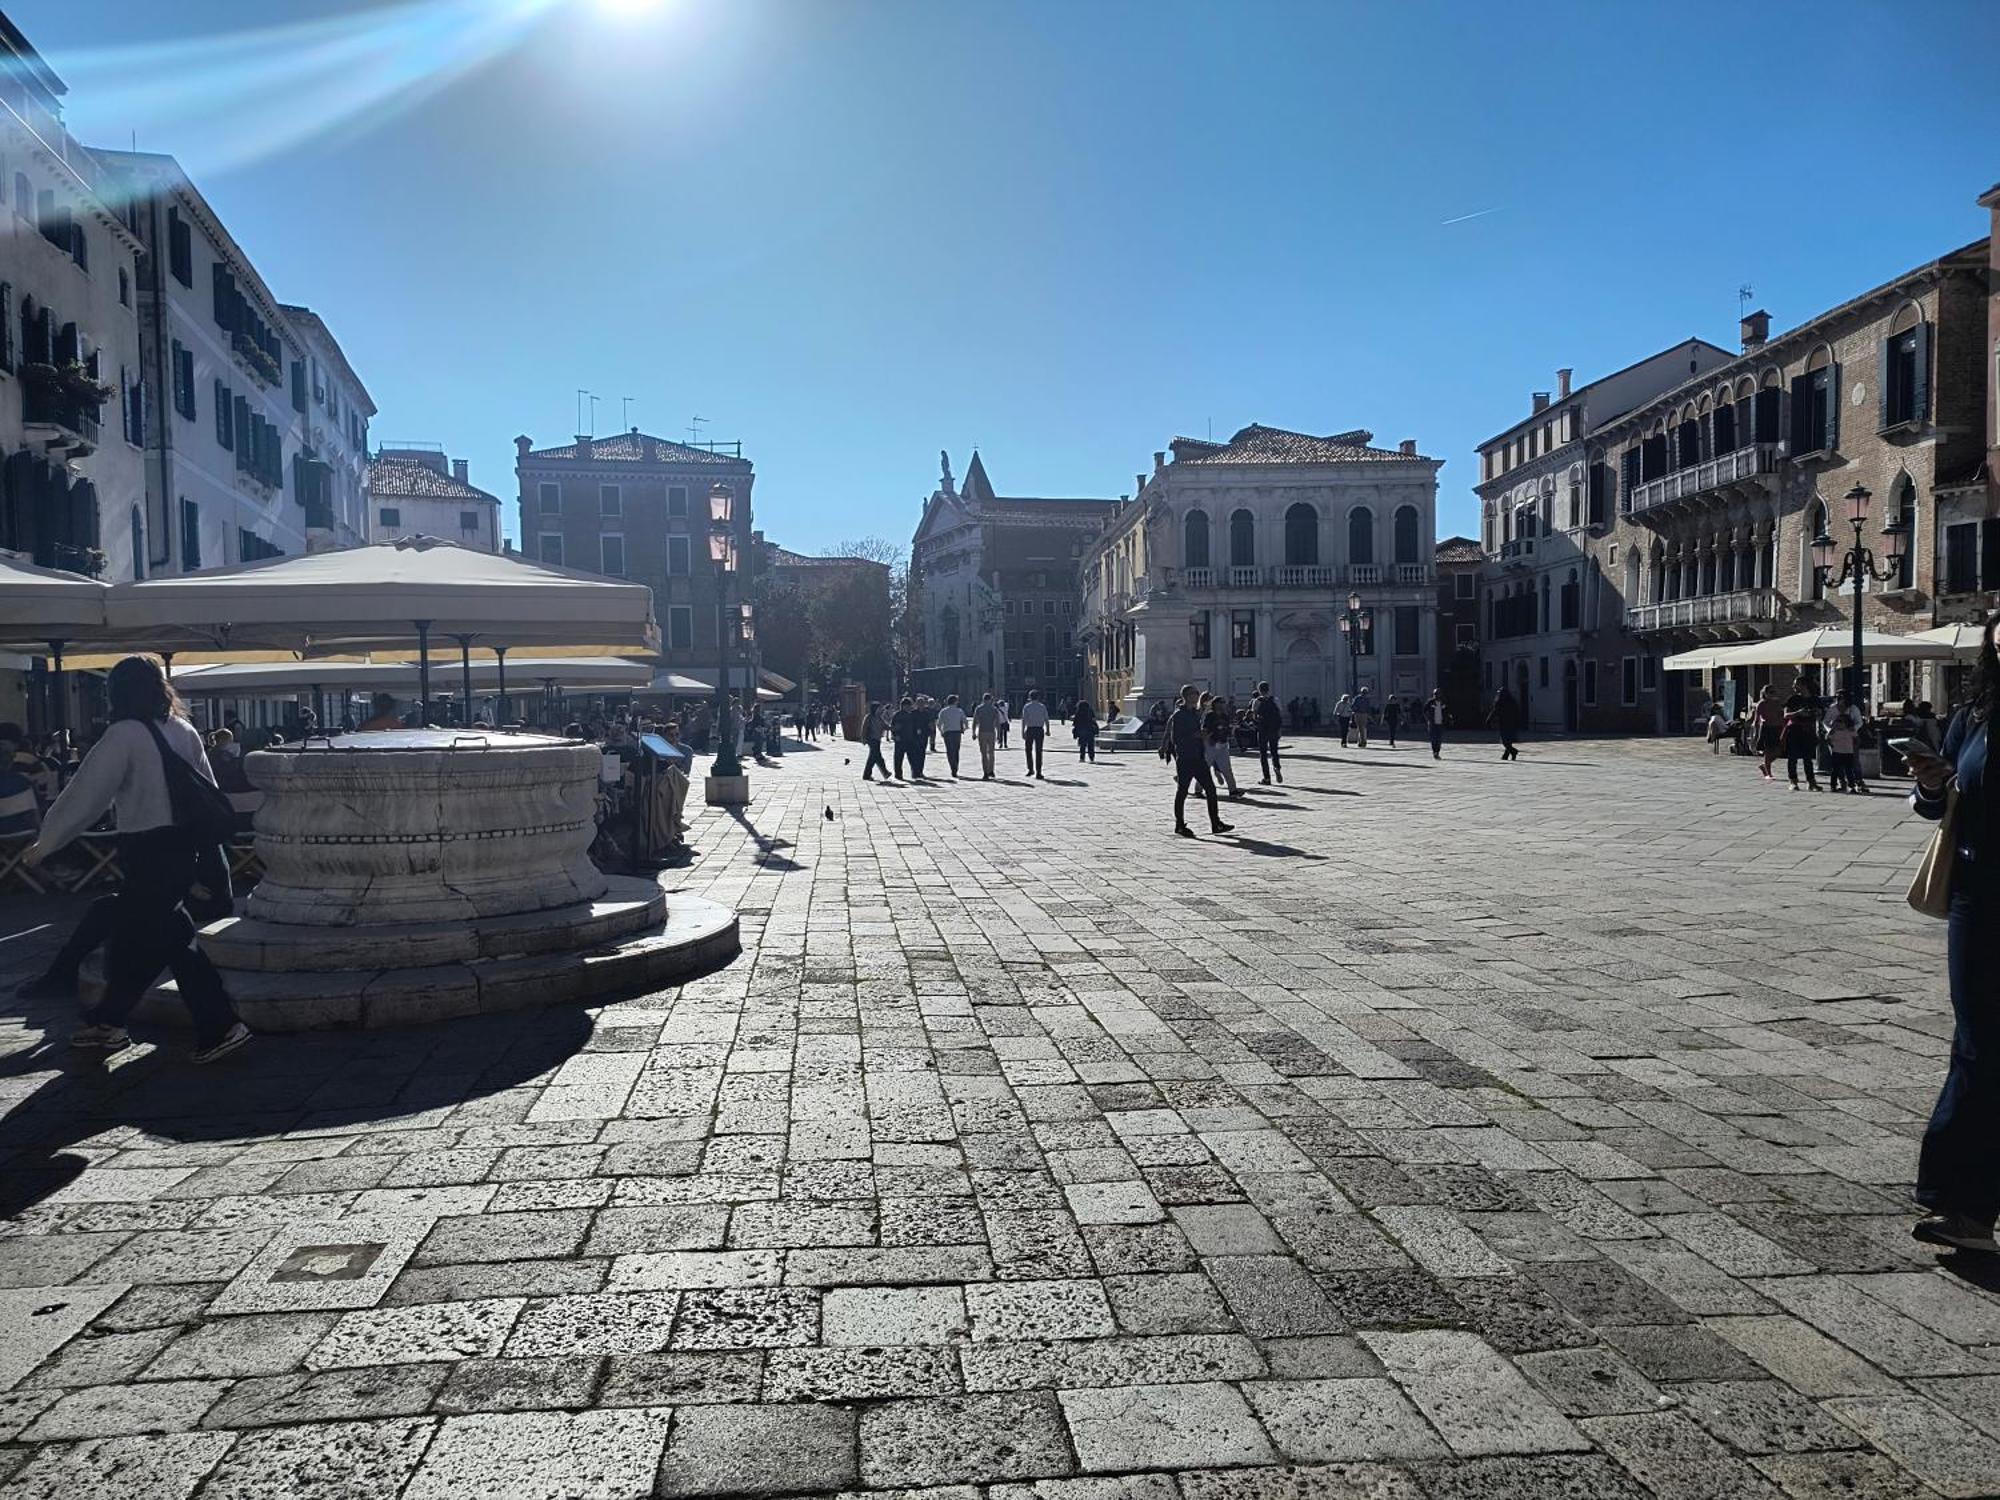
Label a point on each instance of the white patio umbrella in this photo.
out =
(1962, 639)
(1828, 643)
(386, 594)
(44, 609)
(1701, 659)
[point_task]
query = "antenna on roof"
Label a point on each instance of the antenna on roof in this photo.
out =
(593, 416)
(1745, 295)
(625, 413)
(694, 430)
(581, 393)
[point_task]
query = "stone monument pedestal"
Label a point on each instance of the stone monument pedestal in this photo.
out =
(419, 875)
(726, 791)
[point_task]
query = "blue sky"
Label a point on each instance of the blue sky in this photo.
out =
(852, 234)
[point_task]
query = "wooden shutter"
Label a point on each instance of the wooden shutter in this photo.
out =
(1832, 389)
(1989, 554)
(1801, 414)
(1920, 375)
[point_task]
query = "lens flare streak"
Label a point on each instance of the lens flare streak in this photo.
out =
(231, 100)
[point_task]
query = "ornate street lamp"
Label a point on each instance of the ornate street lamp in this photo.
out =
(1354, 624)
(1858, 564)
(722, 553)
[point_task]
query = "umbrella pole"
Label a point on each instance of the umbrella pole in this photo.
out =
(59, 705)
(319, 709)
(500, 655)
(465, 670)
(423, 671)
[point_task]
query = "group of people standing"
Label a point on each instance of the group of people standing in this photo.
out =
(915, 725)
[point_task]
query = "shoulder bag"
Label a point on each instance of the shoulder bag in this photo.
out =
(199, 806)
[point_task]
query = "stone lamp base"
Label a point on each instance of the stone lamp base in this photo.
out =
(726, 791)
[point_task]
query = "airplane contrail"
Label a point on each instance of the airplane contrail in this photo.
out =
(1482, 213)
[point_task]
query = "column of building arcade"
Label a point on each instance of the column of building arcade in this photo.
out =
(1735, 559)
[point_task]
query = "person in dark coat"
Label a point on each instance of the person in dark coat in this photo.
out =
(1186, 746)
(1505, 716)
(1083, 724)
(1270, 724)
(1958, 1169)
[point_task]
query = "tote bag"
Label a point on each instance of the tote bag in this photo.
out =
(1930, 892)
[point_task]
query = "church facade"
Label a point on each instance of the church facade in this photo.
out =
(1236, 562)
(996, 589)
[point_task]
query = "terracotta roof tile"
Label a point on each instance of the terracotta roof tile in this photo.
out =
(1257, 444)
(406, 478)
(629, 447)
(1460, 549)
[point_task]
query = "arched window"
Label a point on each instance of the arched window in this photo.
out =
(1408, 545)
(138, 545)
(1903, 506)
(1194, 540)
(1242, 540)
(1361, 535)
(1301, 537)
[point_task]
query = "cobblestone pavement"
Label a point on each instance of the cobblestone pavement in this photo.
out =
(1455, 1131)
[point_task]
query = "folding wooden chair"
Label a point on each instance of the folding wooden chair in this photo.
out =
(244, 866)
(99, 851)
(14, 846)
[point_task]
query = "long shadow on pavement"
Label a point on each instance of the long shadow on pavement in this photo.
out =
(278, 1085)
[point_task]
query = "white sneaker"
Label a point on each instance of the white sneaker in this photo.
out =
(233, 1038)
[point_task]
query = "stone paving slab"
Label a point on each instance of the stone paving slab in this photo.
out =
(1455, 1131)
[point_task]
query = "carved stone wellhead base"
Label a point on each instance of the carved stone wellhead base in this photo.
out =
(418, 875)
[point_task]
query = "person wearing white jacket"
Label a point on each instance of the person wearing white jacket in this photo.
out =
(125, 771)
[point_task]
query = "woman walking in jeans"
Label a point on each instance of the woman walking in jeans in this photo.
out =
(1958, 1168)
(125, 770)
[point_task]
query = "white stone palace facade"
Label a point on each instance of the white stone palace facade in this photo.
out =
(1234, 562)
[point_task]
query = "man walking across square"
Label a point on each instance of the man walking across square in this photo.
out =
(1006, 717)
(872, 729)
(951, 724)
(1187, 746)
(1034, 731)
(1269, 724)
(985, 727)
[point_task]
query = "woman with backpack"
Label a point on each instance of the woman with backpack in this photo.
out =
(152, 767)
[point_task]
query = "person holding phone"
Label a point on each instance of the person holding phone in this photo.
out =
(1958, 1167)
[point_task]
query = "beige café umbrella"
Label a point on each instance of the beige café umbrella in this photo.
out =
(1829, 643)
(44, 609)
(386, 595)
(1962, 639)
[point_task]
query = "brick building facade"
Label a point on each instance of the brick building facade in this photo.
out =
(637, 506)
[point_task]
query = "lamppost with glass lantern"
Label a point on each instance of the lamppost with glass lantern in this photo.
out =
(1858, 564)
(722, 552)
(1354, 624)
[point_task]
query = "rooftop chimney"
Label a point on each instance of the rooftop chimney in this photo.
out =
(461, 471)
(1138, 484)
(1408, 447)
(1756, 330)
(1541, 401)
(1562, 384)
(522, 445)
(583, 448)
(648, 449)
(1159, 461)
